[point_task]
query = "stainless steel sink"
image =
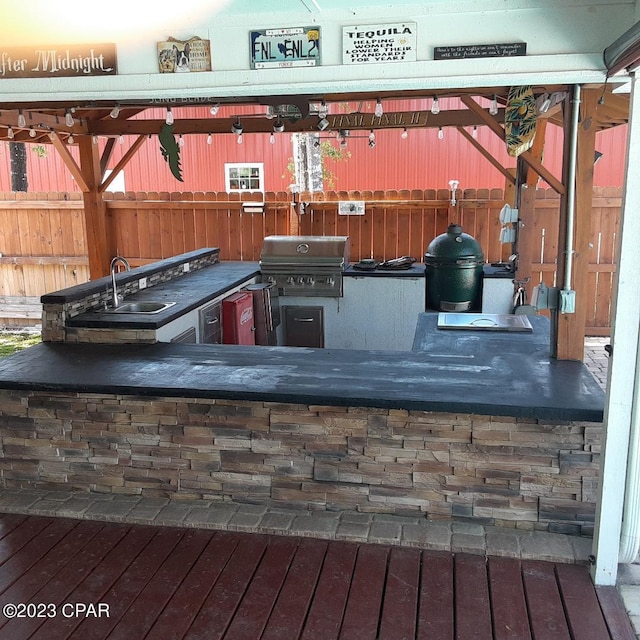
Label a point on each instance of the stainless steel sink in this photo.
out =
(146, 306)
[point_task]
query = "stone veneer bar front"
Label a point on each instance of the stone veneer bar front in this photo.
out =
(524, 473)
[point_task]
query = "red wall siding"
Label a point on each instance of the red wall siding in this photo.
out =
(421, 161)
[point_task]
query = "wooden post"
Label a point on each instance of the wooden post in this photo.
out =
(526, 232)
(94, 209)
(571, 327)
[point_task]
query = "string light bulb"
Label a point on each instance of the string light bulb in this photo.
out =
(214, 109)
(474, 132)
(70, 139)
(405, 134)
(10, 133)
(181, 141)
(440, 133)
(94, 139)
(121, 139)
(22, 121)
(435, 106)
(272, 138)
(240, 138)
(169, 118)
(209, 139)
(68, 118)
(32, 132)
(379, 110)
(115, 112)
(493, 109)
(372, 139)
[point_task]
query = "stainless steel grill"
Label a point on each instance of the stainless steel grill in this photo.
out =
(305, 265)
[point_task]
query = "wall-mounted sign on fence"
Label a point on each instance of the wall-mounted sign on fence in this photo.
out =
(379, 43)
(58, 61)
(182, 56)
(480, 51)
(351, 207)
(278, 48)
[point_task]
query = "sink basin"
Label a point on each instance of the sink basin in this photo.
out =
(141, 307)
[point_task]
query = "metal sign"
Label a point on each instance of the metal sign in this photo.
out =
(351, 207)
(480, 51)
(183, 56)
(379, 43)
(281, 48)
(58, 61)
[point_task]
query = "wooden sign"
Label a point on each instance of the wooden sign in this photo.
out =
(379, 43)
(58, 61)
(480, 51)
(282, 48)
(184, 56)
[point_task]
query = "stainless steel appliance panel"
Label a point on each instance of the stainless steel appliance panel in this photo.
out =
(303, 326)
(211, 323)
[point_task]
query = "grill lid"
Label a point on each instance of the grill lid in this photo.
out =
(305, 251)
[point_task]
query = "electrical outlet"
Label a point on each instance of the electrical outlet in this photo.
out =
(185, 267)
(567, 301)
(142, 283)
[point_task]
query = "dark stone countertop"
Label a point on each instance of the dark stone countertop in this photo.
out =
(416, 270)
(188, 292)
(485, 381)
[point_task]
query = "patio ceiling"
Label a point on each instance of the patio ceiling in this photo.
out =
(41, 119)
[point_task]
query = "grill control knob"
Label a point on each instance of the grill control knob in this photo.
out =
(300, 280)
(311, 280)
(290, 280)
(271, 280)
(331, 282)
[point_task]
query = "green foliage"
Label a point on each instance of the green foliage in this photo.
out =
(11, 342)
(327, 152)
(40, 150)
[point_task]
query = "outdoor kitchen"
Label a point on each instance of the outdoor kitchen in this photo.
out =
(406, 415)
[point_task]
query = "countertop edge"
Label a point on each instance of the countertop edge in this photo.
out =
(435, 406)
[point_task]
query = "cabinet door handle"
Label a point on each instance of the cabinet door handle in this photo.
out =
(214, 321)
(303, 319)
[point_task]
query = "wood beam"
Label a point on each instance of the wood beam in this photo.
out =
(571, 327)
(123, 162)
(503, 170)
(262, 124)
(106, 155)
(527, 156)
(94, 209)
(69, 161)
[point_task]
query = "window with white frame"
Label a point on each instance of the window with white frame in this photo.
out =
(244, 176)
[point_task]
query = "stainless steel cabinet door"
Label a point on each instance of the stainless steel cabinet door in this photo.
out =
(303, 326)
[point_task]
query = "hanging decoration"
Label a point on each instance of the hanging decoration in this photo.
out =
(520, 120)
(170, 150)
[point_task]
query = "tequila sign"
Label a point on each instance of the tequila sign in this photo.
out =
(282, 48)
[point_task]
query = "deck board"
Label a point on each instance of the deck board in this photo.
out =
(163, 583)
(546, 613)
(508, 602)
(472, 608)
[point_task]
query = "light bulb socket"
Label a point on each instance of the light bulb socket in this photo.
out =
(323, 123)
(237, 128)
(278, 127)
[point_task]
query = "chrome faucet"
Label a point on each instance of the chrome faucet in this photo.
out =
(114, 263)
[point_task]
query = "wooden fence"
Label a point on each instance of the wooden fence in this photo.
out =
(43, 245)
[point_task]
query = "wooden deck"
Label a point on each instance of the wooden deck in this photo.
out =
(164, 583)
